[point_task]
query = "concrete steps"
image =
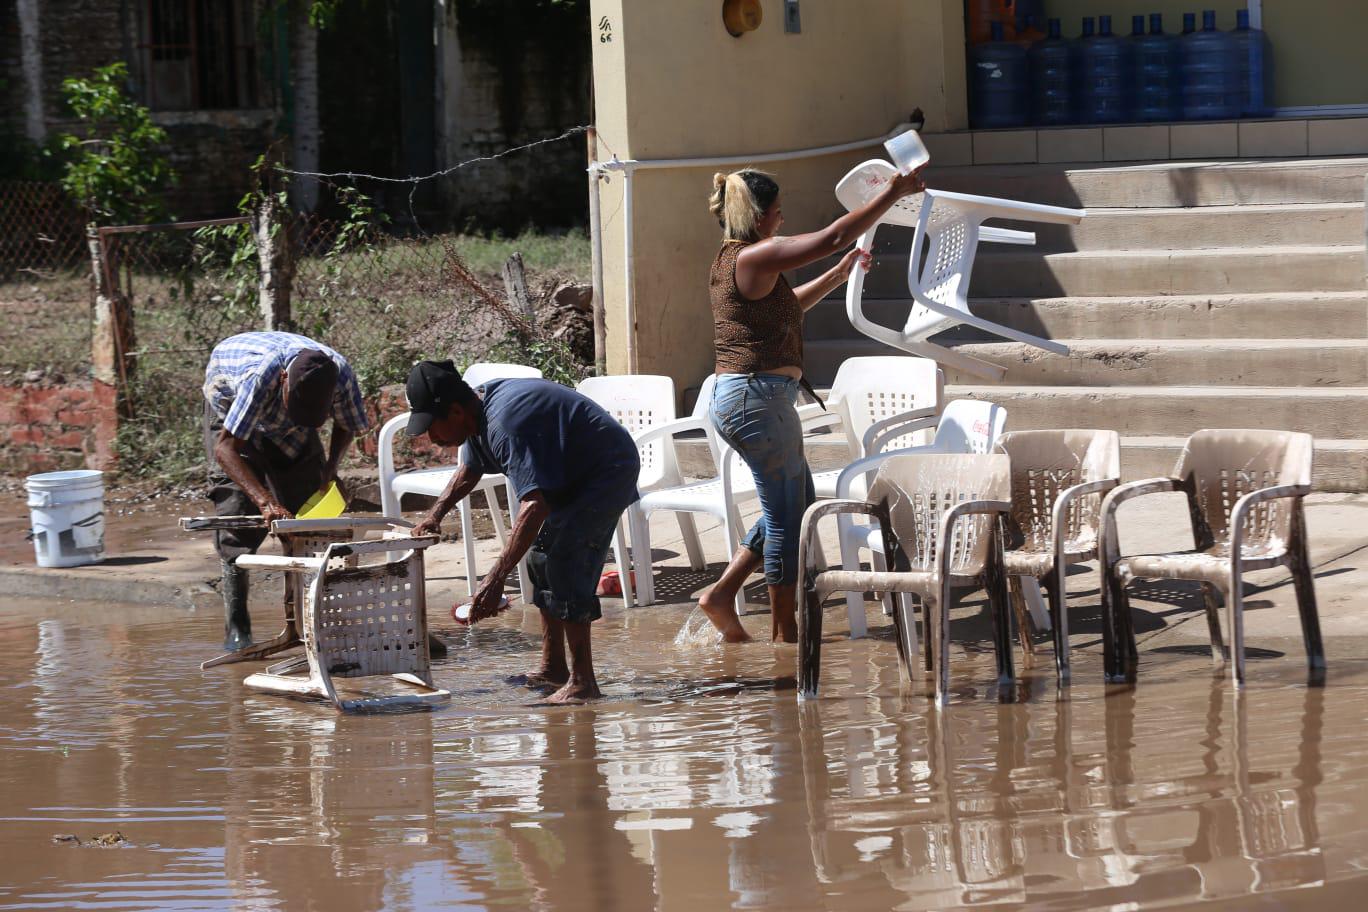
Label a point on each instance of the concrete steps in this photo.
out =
(1169, 184)
(1201, 227)
(1127, 362)
(1026, 272)
(1288, 315)
(1340, 465)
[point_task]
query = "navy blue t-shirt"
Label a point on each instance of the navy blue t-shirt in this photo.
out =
(547, 437)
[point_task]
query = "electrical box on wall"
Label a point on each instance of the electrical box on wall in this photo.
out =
(793, 24)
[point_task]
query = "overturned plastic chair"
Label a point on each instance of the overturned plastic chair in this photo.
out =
(950, 227)
(433, 481)
(358, 621)
(1058, 481)
(939, 516)
(1244, 491)
(966, 426)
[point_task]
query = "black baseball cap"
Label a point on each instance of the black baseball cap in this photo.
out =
(432, 387)
(311, 380)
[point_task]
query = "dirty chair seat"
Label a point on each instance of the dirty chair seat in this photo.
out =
(1031, 562)
(1211, 565)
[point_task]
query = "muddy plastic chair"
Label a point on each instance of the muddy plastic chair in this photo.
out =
(358, 622)
(298, 538)
(642, 402)
(966, 426)
(939, 516)
(950, 227)
(1244, 490)
(432, 482)
(1058, 480)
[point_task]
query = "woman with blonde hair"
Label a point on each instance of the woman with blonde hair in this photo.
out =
(758, 334)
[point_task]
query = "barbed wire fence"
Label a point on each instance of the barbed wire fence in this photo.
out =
(381, 296)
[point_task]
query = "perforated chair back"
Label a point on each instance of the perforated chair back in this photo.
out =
(1218, 467)
(1044, 464)
(970, 426)
(639, 402)
(917, 490)
(869, 389)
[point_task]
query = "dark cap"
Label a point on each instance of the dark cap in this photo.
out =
(432, 387)
(310, 381)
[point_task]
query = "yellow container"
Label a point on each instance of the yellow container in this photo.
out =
(327, 503)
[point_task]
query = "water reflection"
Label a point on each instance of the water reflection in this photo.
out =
(723, 792)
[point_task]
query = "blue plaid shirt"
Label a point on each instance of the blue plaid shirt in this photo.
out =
(243, 386)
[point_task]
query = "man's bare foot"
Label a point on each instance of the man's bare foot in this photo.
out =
(576, 692)
(722, 614)
(542, 679)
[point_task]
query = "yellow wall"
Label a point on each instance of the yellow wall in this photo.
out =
(1318, 56)
(673, 84)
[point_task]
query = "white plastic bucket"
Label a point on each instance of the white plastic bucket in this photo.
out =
(907, 151)
(67, 510)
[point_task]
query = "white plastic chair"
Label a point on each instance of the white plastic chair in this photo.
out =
(871, 394)
(358, 622)
(642, 402)
(950, 226)
(432, 482)
(966, 426)
(719, 497)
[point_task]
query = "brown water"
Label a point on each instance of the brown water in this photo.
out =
(700, 783)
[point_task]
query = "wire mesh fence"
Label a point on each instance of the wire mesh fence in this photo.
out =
(44, 281)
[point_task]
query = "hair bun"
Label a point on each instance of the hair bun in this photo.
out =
(719, 181)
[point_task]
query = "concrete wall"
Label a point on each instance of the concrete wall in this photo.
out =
(670, 82)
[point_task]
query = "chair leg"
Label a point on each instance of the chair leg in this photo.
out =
(850, 562)
(496, 515)
(468, 540)
(692, 545)
(621, 556)
(905, 624)
(995, 580)
(1211, 601)
(731, 531)
(1234, 600)
(1017, 599)
(524, 578)
(809, 643)
(928, 634)
(938, 608)
(1118, 643)
(1058, 596)
(1304, 585)
(640, 525)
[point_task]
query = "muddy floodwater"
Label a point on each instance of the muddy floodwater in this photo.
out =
(699, 783)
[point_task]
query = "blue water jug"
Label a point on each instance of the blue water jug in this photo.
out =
(1052, 79)
(1154, 61)
(1000, 83)
(1209, 77)
(1105, 78)
(1253, 68)
(1189, 23)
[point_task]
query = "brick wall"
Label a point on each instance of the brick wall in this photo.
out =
(48, 428)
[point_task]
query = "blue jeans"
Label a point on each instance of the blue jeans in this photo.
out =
(757, 415)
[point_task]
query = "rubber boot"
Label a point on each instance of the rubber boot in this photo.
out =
(237, 623)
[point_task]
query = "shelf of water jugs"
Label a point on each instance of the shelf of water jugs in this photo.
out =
(1101, 77)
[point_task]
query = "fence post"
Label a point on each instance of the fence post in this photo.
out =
(515, 286)
(275, 259)
(111, 340)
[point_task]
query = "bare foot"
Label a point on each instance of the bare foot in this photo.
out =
(722, 614)
(783, 629)
(575, 692)
(542, 680)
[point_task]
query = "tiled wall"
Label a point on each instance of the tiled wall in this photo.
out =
(1153, 142)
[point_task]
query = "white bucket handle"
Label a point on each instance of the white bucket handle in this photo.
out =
(44, 496)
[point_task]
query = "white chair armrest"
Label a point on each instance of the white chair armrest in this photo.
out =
(992, 235)
(867, 464)
(952, 516)
(299, 564)
(991, 207)
(668, 429)
(885, 429)
(1240, 512)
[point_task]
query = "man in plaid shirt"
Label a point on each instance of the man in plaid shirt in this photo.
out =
(266, 395)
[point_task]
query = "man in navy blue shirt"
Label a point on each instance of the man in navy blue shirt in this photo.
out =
(574, 471)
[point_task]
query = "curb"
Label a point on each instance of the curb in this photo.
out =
(32, 582)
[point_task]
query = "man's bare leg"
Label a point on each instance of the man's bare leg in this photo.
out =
(719, 602)
(784, 613)
(582, 684)
(553, 671)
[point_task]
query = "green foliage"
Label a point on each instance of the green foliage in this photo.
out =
(116, 168)
(553, 359)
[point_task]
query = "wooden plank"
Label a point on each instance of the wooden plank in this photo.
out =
(218, 523)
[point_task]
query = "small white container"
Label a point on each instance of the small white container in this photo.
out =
(907, 151)
(67, 511)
